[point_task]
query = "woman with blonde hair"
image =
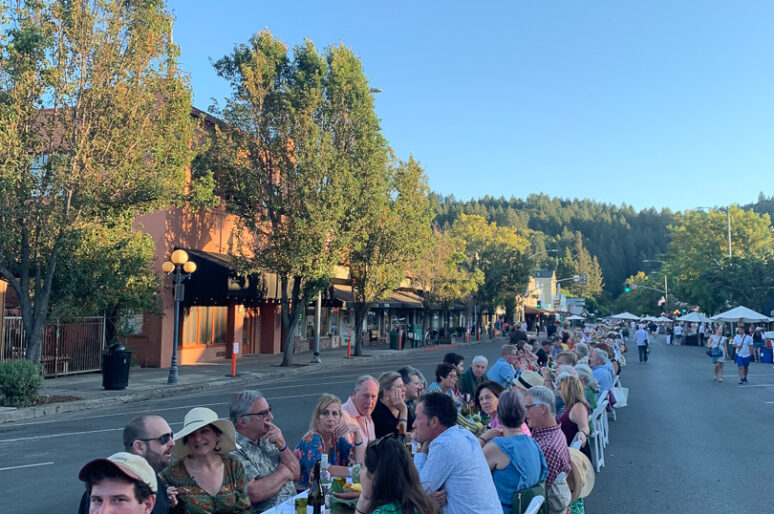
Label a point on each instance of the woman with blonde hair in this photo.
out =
(327, 435)
(575, 420)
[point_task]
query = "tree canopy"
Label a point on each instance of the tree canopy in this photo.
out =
(95, 126)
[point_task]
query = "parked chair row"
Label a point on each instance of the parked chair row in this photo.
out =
(600, 437)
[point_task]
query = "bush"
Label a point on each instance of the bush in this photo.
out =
(20, 382)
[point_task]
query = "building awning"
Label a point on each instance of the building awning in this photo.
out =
(216, 281)
(401, 299)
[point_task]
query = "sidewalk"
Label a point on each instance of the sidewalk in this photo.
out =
(149, 383)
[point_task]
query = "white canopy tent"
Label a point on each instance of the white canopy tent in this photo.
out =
(663, 319)
(574, 317)
(695, 317)
(649, 318)
(741, 314)
(626, 315)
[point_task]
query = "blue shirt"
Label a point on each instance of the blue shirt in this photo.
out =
(501, 372)
(526, 469)
(455, 462)
(602, 376)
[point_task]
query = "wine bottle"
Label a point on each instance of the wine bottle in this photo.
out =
(315, 501)
(325, 480)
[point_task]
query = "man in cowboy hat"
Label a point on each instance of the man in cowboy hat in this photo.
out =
(123, 482)
(271, 467)
(150, 437)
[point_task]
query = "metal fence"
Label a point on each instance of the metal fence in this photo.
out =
(73, 346)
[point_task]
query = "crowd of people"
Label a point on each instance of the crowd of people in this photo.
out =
(532, 403)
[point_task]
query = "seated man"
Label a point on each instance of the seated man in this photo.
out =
(451, 464)
(541, 419)
(270, 467)
(502, 370)
(598, 361)
(473, 377)
(122, 481)
(150, 437)
(360, 406)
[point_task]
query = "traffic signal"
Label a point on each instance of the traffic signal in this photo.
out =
(685, 310)
(627, 287)
(584, 279)
(538, 304)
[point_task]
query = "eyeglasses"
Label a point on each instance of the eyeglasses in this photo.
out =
(162, 439)
(530, 406)
(260, 414)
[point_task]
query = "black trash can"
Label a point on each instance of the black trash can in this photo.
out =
(116, 361)
(394, 340)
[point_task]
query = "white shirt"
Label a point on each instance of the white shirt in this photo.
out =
(743, 344)
(455, 462)
(678, 330)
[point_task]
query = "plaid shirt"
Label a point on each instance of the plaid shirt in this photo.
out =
(554, 445)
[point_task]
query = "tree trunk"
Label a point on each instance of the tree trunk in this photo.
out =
(290, 310)
(361, 313)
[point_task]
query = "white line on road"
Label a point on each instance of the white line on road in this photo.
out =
(27, 466)
(757, 385)
(68, 434)
(123, 413)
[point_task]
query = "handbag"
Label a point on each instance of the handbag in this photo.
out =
(621, 395)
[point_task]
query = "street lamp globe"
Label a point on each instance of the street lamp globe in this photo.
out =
(189, 267)
(168, 267)
(179, 257)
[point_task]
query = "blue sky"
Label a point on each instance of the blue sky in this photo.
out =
(650, 103)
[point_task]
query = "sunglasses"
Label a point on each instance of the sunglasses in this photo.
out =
(163, 439)
(260, 414)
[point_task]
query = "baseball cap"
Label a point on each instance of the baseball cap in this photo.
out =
(131, 465)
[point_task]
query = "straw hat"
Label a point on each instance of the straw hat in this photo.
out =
(581, 477)
(197, 418)
(528, 379)
(131, 465)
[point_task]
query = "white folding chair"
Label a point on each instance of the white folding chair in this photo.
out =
(534, 505)
(596, 441)
(604, 427)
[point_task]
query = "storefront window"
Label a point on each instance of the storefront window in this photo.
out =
(204, 325)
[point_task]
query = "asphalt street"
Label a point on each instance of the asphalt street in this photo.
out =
(39, 460)
(684, 444)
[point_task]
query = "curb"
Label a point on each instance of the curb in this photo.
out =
(40, 411)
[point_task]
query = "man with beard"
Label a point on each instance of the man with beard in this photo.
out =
(150, 437)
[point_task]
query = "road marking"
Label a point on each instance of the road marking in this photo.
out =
(144, 411)
(69, 434)
(27, 466)
(758, 385)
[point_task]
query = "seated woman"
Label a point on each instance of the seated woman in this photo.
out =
(327, 435)
(391, 482)
(516, 460)
(445, 380)
(487, 401)
(206, 478)
(575, 420)
(391, 415)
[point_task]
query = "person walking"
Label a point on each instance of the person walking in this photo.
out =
(641, 337)
(717, 346)
(742, 343)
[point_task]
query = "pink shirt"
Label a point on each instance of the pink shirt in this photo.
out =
(350, 414)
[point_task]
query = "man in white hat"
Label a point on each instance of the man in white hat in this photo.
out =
(271, 467)
(123, 483)
(150, 437)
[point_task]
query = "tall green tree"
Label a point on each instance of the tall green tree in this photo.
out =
(579, 261)
(393, 228)
(697, 259)
(109, 273)
(298, 129)
(500, 254)
(95, 126)
(442, 274)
